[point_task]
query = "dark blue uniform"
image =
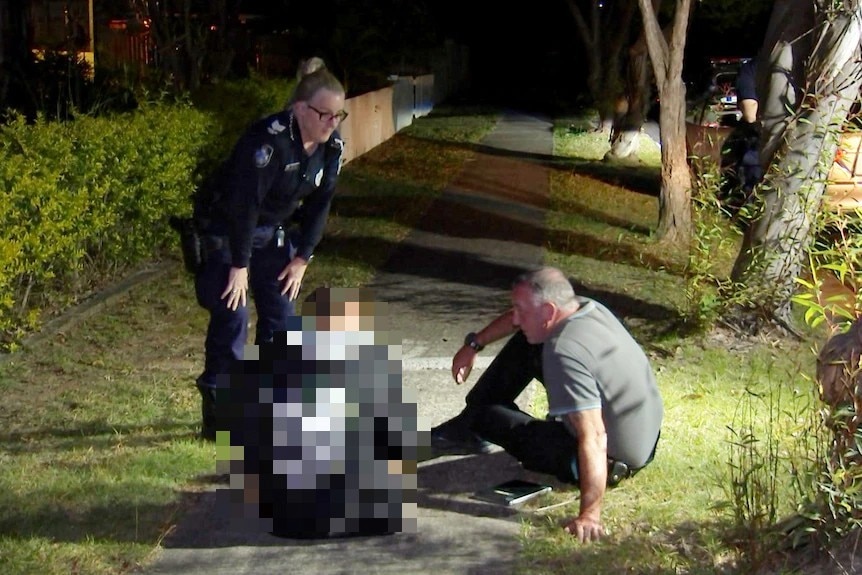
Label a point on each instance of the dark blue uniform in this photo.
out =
(270, 204)
(745, 81)
(742, 147)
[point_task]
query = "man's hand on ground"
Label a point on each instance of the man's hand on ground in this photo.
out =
(585, 529)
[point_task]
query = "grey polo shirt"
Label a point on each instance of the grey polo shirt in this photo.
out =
(591, 361)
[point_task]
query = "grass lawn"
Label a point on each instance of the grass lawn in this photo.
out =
(100, 416)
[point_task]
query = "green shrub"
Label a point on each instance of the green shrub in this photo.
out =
(85, 199)
(233, 105)
(714, 241)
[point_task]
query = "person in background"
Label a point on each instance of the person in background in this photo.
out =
(261, 217)
(749, 166)
(746, 94)
(741, 151)
(605, 410)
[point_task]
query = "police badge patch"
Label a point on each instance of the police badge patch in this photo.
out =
(262, 156)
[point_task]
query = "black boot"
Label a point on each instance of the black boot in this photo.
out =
(455, 436)
(208, 412)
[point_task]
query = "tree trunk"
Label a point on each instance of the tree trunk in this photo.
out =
(625, 134)
(674, 225)
(603, 39)
(674, 222)
(804, 141)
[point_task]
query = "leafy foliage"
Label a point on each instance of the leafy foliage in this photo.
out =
(234, 104)
(713, 242)
(88, 198)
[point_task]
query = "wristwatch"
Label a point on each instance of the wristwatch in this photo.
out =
(472, 342)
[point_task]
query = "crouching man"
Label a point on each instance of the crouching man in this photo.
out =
(605, 410)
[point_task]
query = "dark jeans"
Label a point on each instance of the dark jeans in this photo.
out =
(540, 445)
(228, 329)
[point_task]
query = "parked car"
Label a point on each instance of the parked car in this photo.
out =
(716, 105)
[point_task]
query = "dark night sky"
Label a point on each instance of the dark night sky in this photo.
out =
(531, 46)
(522, 32)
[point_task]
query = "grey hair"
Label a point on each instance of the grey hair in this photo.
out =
(548, 285)
(314, 82)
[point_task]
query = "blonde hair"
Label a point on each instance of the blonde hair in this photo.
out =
(311, 81)
(306, 67)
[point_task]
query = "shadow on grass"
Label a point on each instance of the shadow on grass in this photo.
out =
(496, 219)
(38, 513)
(640, 179)
(573, 242)
(442, 278)
(98, 435)
(605, 218)
(636, 178)
(403, 209)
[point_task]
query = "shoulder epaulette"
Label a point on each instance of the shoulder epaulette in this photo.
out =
(275, 127)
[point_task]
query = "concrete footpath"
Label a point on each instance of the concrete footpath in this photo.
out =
(448, 277)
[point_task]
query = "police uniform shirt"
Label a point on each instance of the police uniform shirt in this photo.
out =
(268, 176)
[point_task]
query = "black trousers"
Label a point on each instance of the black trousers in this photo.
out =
(544, 446)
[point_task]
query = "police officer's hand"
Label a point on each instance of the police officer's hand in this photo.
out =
(236, 290)
(292, 276)
(462, 363)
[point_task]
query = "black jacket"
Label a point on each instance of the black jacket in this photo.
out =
(266, 179)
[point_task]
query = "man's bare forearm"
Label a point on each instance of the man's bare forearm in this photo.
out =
(502, 326)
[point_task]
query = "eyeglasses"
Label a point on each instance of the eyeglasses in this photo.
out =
(327, 116)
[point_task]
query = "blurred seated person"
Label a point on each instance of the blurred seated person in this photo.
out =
(323, 440)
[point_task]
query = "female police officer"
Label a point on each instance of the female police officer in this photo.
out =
(263, 216)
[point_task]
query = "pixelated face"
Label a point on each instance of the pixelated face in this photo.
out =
(320, 116)
(530, 316)
(343, 314)
(345, 317)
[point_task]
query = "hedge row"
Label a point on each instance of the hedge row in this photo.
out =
(85, 200)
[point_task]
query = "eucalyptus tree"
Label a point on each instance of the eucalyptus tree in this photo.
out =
(605, 29)
(666, 52)
(809, 75)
